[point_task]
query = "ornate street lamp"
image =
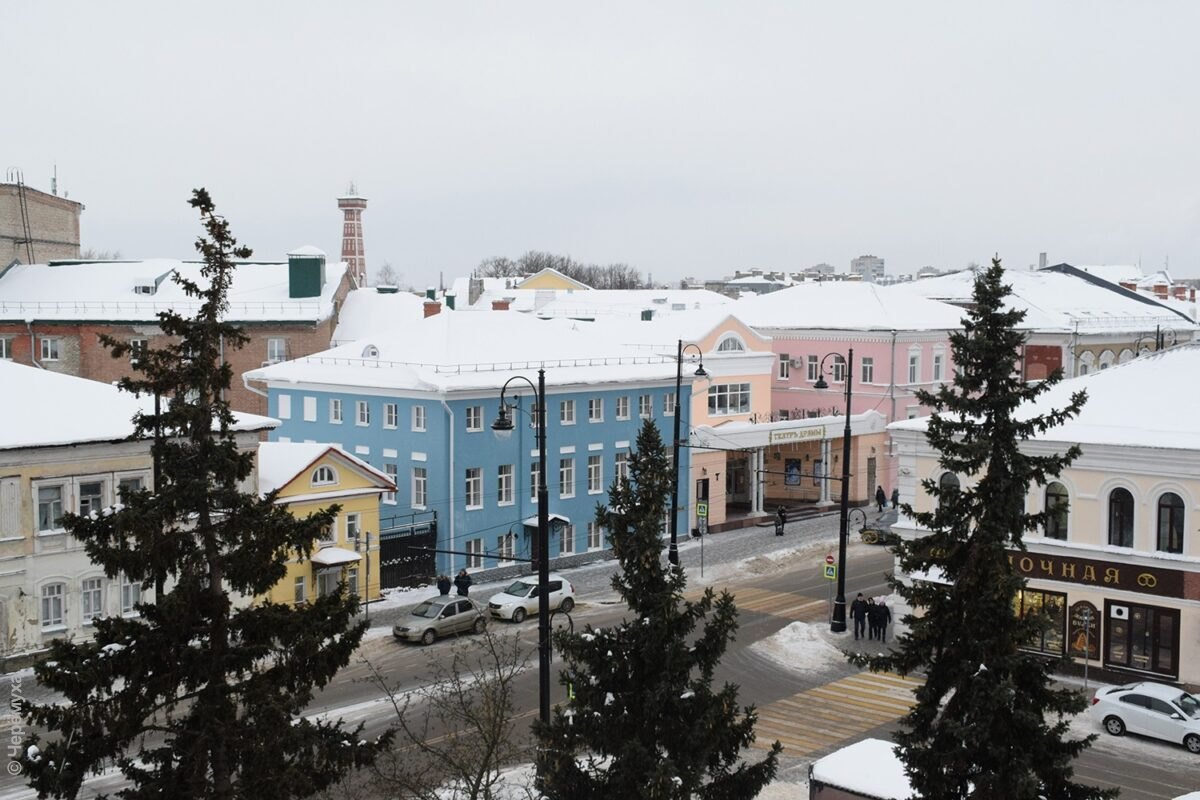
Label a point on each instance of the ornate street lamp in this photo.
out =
(673, 551)
(838, 622)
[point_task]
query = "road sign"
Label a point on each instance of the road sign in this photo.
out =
(829, 558)
(701, 509)
(831, 571)
(702, 525)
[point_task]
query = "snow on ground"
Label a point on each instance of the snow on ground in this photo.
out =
(802, 647)
(517, 784)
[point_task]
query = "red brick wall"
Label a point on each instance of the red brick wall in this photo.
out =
(1041, 360)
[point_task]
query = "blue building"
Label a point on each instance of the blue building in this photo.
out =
(419, 405)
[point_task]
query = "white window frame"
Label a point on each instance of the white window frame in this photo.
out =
(566, 478)
(621, 466)
(505, 474)
(506, 547)
(914, 367)
(729, 399)
(131, 595)
(473, 491)
(137, 349)
(595, 474)
(6, 348)
(731, 343)
(535, 473)
(939, 362)
(309, 410)
(352, 580)
(353, 529)
(420, 487)
(623, 407)
(101, 499)
(283, 406)
(276, 350)
(566, 412)
(335, 411)
(362, 413)
(645, 406)
(418, 418)
(64, 496)
(669, 404)
(785, 367)
(52, 610)
(595, 409)
(595, 536)
(324, 475)
(392, 471)
(474, 553)
(299, 590)
(814, 368)
(867, 371)
(91, 599)
(391, 416)
(566, 542)
(474, 419)
(838, 369)
(51, 348)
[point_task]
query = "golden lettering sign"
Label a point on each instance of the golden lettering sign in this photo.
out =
(1164, 582)
(796, 435)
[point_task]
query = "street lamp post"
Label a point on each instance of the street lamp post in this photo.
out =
(838, 623)
(504, 422)
(673, 551)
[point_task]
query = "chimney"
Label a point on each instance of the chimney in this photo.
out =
(1160, 291)
(430, 293)
(1180, 292)
(432, 307)
(500, 305)
(1130, 285)
(1192, 294)
(353, 251)
(450, 301)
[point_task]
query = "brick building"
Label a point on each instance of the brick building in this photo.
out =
(35, 226)
(51, 315)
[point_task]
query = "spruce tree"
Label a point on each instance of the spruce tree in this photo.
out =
(198, 697)
(643, 719)
(988, 721)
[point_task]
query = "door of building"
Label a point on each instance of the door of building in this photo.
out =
(871, 484)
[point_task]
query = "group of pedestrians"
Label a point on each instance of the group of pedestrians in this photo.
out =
(462, 582)
(881, 498)
(872, 614)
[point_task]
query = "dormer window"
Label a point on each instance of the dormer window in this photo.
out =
(324, 476)
(143, 288)
(370, 351)
(731, 344)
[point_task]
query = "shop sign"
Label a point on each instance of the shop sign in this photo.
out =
(1083, 631)
(796, 435)
(1103, 574)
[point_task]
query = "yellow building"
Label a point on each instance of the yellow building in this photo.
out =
(310, 477)
(549, 278)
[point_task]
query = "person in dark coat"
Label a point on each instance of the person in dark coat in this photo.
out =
(858, 611)
(885, 619)
(443, 584)
(873, 619)
(780, 521)
(896, 497)
(880, 498)
(462, 582)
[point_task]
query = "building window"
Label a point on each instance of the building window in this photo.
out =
(327, 535)
(839, 369)
(92, 596)
(1145, 638)
(418, 418)
(6, 348)
(621, 467)
(474, 419)
(534, 416)
(938, 360)
(507, 546)
(1087, 363)
(623, 407)
(1057, 503)
(310, 409)
(948, 486)
(594, 540)
(504, 490)
(420, 484)
(1170, 523)
(814, 368)
(276, 350)
(567, 546)
(669, 404)
(785, 365)
(645, 406)
(391, 471)
(52, 605)
(137, 350)
(353, 530)
(327, 582)
(129, 486)
(596, 409)
(91, 498)
(595, 478)
(352, 580)
(474, 487)
(391, 415)
(324, 476)
(49, 349)
(566, 477)
(566, 412)
(535, 475)
(914, 367)
(50, 508)
(728, 398)
(731, 344)
(1052, 639)
(474, 553)
(868, 370)
(1120, 518)
(362, 412)
(298, 590)
(284, 406)
(1107, 358)
(131, 595)
(335, 411)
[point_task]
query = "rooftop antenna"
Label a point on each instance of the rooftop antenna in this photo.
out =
(54, 182)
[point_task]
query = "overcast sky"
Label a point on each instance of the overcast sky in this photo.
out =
(683, 138)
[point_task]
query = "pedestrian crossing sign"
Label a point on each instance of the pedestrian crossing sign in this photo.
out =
(701, 510)
(831, 571)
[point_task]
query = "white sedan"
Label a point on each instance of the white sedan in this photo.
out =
(520, 599)
(1151, 709)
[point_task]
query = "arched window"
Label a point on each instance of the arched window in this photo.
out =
(1126, 356)
(323, 476)
(1107, 359)
(1170, 523)
(1056, 511)
(1120, 518)
(370, 351)
(731, 344)
(1087, 363)
(947, 484)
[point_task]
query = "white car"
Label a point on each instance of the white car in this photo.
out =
(1151, 709)
(520, 599)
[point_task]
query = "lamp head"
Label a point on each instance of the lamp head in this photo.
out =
(503, 426)
(821, 384)
(701, 372)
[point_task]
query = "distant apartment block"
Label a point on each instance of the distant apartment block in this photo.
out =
(36, 227)
(869, 267)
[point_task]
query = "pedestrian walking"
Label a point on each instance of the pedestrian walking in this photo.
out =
(880, 498)
(443, 584)
(873, 619)
(896, 497)
(462, 582)
(885, 617)
(858, 612)
(780, 520)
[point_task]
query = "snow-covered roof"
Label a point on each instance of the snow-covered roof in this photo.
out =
(367, 312)
(280, 462)
(869, 767)
(44, 409)
(628, 303)
(1113, 273)
(307, 250)
(1054, 301)
(846, 305)
(466, 350)
(1165, 384)
(105, 290)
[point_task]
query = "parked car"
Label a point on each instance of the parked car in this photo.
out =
(441, 616)
(520, 599)
(1151, 709)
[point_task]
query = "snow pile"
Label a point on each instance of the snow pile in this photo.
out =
(884, 780)
(801, 646)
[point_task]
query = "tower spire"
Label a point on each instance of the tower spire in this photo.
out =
(353, 250)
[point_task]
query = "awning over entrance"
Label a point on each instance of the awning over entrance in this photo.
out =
(533, 521)
(334, 557)
(742, 435)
